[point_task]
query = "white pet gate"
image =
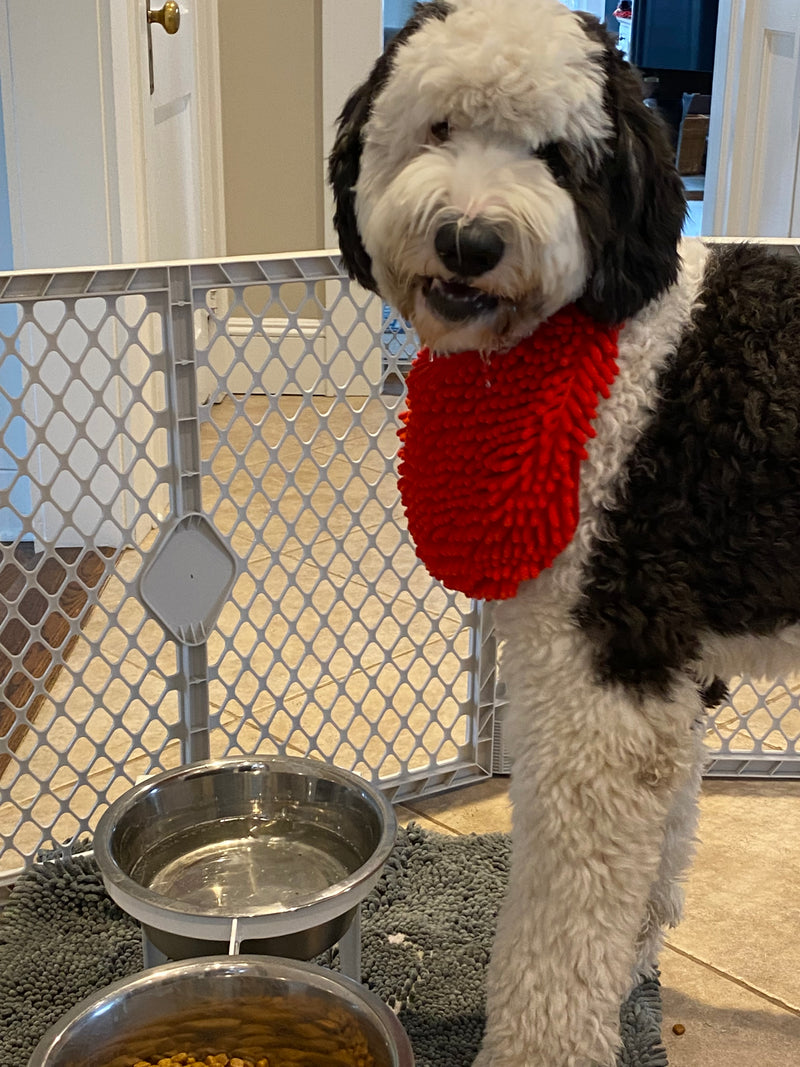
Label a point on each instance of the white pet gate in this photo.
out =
(203, 550)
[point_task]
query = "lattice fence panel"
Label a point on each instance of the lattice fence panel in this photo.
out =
(261, 398)
(756, 733)
(335, 640)
(264, 396)
(89, 689)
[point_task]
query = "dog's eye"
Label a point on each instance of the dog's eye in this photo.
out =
(440, 131)
(551, 155)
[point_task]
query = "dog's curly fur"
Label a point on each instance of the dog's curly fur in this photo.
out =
(497, 165)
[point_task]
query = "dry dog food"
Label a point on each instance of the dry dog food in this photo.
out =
(269, 1034)
(180, 1059)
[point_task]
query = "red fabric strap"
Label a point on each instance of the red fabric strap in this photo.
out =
(491, 450)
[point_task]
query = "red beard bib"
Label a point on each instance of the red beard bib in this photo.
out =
(491, 450)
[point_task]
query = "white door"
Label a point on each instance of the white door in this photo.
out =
(752, 187)
(183, 144)
(102, 171)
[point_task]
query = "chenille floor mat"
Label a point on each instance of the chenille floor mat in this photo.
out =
(427, 932)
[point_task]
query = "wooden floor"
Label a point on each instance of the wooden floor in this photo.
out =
(29, 579)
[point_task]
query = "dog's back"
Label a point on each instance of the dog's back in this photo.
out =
(704, 537)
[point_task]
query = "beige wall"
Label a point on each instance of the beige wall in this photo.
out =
(270, 63)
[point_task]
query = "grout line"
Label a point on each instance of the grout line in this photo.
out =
(432, 818)
(270, 703)
(777, 1001)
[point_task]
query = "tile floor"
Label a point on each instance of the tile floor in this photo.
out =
(731, 971)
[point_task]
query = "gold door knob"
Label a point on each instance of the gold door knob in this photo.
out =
(169, 16)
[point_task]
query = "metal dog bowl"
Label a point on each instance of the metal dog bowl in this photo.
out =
(268, 855)
(244, 1007)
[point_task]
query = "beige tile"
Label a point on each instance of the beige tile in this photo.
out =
(284, 658)
(406, 815)
(760, 715)
(33, 815)
(299, 627)
(743, 898)
(480, 808)
(725, 1024)
(255, 431)
(377, 719)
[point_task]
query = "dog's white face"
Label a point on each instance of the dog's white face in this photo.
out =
(470, 234)
(475, 170)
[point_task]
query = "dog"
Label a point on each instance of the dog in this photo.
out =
(497, 178)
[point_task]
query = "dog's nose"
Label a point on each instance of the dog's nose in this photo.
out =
(469, 249)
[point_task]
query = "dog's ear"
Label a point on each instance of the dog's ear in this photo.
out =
(635, 253)
(343, 169)
(344, 163)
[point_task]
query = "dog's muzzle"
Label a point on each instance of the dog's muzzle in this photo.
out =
(468, 250)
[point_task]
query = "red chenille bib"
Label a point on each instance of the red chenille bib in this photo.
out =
(491, 448)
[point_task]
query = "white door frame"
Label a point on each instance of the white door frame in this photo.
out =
(353, 29)
(209, 111)
(753, 83)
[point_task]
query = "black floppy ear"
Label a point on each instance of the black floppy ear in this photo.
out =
(343, 169)
(344, 163)
(635, 255)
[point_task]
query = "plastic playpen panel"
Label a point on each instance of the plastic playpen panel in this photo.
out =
(204, 552)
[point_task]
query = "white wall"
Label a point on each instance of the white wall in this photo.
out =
(271, 124)
(352, 39)
(61, 93)
(286, 70)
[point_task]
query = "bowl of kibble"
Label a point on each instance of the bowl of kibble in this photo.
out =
(287, 847)
(225, 1011)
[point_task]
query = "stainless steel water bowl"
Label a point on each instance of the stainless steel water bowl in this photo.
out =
(244, 1006)
(276, 851)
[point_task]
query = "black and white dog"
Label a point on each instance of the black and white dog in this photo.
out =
(498, 166)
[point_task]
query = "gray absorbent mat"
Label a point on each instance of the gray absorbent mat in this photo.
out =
(427, 933)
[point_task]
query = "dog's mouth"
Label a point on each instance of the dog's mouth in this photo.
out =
(456, 301)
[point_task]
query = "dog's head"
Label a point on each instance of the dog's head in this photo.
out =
(499, 163)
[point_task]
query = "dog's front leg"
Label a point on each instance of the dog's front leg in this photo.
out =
(595, 771)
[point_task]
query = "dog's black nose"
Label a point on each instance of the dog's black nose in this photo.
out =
(469, 249)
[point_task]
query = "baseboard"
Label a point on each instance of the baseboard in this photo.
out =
(271, 355)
